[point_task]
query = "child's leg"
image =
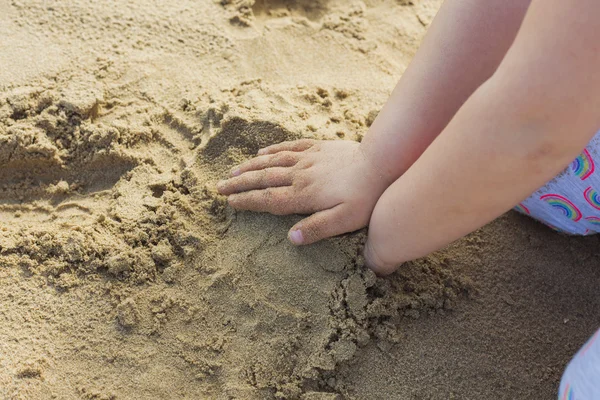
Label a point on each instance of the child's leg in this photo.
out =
(581, 379)
(570, 202)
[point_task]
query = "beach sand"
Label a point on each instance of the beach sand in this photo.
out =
(123, 275)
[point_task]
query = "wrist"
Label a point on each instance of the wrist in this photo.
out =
(385, 171)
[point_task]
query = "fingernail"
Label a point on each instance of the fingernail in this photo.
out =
(220, 185)
(261, 152)
(296, 236)
(235, 172)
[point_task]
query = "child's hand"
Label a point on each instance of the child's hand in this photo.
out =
(332, 180)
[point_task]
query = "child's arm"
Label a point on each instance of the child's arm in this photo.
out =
(517, 131)
(339, 182)
(463, 47)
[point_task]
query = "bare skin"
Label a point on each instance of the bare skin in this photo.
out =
(516, 132)
(331, 180)
(516, 120)
(351, 177)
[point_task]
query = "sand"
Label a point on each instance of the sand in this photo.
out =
(123, 275)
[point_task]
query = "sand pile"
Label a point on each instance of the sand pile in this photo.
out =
(124, 275)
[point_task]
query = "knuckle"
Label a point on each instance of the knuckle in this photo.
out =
(249, 165)
(291, 157)
(306, 144)
(243, 181)
(282, 176)
(314, 144)
(263, 176)
(296, 192)
(268, 196)
(233, 201)
(277, 158)
(299, 181)
(303, 163)
(314, 230)
(271, 176)
(265, 160)
(284, 157)
(276, 202)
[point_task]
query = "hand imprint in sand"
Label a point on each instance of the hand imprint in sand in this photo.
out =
(332, 180)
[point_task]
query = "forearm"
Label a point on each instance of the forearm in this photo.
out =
(516, 132)
(461, 50)
(490, 157)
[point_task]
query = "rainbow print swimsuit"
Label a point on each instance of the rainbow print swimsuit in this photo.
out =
(570, 202)
(581, 380)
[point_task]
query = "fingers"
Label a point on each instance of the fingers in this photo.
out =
(281, 159)
(321, 225)
(294, 145)
(254, 180)
(274, 200)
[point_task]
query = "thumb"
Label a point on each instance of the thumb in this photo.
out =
(321, 225)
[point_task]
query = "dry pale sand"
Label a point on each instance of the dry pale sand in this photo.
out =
(124, 276)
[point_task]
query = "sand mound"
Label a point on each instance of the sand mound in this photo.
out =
(105, 188)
